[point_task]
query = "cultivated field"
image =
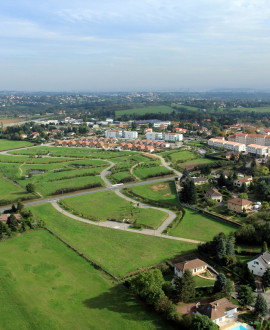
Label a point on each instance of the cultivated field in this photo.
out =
(117, 251)
(200, 227)
(258, 109)
(9, 144)
(107, 205)
(189, 165)
(179, 155)
(46, 285)
(144, 172)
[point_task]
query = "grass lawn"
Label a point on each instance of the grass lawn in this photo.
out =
(164, 191)
(200, 227)
(107, 205)
(153, 171)
(9, 144)
(120, 176)
(258, 109)
(117, 251)
(45, 285)
(11, 192)
(180, 155)
(199, 281)
(143, 111)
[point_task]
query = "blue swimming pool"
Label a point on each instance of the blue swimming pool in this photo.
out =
(239, 327)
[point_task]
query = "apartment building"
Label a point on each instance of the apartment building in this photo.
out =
(114, 133)
(131, 135)
(173, 137)
(154, 136)
(258, 150)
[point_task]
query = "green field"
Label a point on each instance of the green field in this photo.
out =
(117, 251)
(120, 177)
(11, 192)
(200, 227)
(9, 144)
(149, 172)
(145, 110)
(199, 281)
(179, 156)
(192, 163)
(45, 285)
(107, 205)
(258, 109)
(164, 191)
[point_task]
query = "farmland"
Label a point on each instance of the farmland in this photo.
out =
(258, 109)
(46, 285)
(10, 192)
(179, 155)
(9, 144)
(146, 171)
(200, 227)
(117, 251)
(107, 205)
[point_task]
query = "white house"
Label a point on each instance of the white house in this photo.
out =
(173, 137)
(130, 135)
(196, 266)
(154, 136)
(259, 264)
(222, 311)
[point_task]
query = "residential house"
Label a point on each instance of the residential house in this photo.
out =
(259, 264)
(199, 180)
(214, 194)
(240, 181)
(4, 217)
(239, 205)
(222, 312)
(196, 266)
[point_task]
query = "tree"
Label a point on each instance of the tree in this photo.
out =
(266, 278)
(30, 188)
(185, 286)
(245, 295)
(221, 180)
(265, 205)
(12, 222)
(243, 188)
(264, 247)
(20, 206)
(229, 288)
(148, 285)
(260, 307)
(243, 195)
(220, 283)
(201, 322)
(188, 193)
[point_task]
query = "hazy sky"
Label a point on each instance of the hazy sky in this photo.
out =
(134, 45)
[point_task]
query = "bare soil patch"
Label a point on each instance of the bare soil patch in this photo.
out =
(159, 187)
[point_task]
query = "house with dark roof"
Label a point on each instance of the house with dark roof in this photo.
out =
(259, 264)
(214, 194)
(222, 312)
(199, 180)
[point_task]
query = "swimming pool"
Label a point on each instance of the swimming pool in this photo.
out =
(239, 327)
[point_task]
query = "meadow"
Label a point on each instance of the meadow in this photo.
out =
(143, 172)
(106, 205)
(119, 252)
(179, 155)
(46, 285)
(9, 144)
(200, 227)
(193, 225)
(10, 192)
(258, 109)
(164, 192)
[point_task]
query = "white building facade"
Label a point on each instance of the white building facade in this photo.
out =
(173, 137)
(154, 136)
(130, 135)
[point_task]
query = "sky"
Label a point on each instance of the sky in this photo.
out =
(116, 45)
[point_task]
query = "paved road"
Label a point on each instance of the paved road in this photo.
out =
(120, 226)
(105, 172)
(164, 163)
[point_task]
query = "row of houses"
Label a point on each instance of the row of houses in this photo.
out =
(254, 149)
(247, 139)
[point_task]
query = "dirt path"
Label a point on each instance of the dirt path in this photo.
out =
(120, 226)
(131, 171)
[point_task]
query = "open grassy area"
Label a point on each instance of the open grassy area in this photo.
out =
(199, 281)
(45, 285)
(11, 192)
(117, 251)
(9, 144)
(164, 191)
(151, 171)
(107, 205)
(179, 155)
(143, 111)
(200, 227)
(199, 161)
(258, 109)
